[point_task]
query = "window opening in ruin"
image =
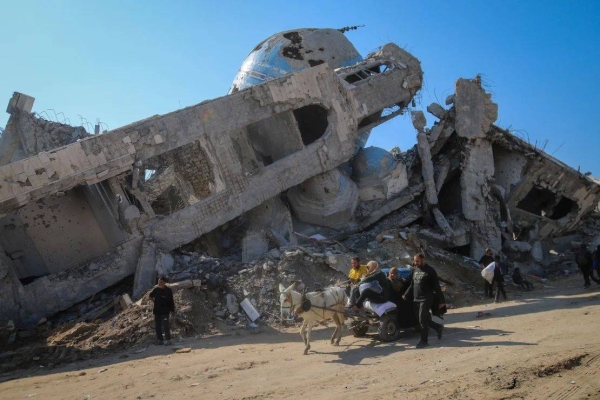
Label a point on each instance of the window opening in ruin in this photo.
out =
(564, 207)
(168, 202)
(366, 73)
(450, 198)
(461, 250)
(312, 122)
(545, 203)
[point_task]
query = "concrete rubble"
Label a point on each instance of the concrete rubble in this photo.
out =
(202, 193)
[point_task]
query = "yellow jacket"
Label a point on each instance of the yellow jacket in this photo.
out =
(356, 274)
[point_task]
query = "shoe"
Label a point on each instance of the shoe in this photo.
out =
(422, 344)
(440, 331)
(167, 342)
(160, 342)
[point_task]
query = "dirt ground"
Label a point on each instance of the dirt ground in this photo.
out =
(537, 345)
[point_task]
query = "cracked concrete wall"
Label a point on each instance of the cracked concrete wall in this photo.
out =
(64, 229)
(509, 167)
(477, 174)
(27, 134)
(39, 135)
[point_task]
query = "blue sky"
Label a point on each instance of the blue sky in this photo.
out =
(122, 61)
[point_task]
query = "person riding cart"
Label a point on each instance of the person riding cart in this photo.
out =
(374, 287)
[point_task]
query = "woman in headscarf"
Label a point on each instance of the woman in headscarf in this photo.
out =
(374, 287)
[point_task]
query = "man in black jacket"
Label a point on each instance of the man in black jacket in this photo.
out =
(583, 258)
(424, 288)
(162, 296)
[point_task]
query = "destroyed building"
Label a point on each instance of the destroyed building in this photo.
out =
(284, 154)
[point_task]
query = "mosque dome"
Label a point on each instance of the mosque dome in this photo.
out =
(293, 51)
(372, 163)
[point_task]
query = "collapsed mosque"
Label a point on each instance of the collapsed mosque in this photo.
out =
(283, 157)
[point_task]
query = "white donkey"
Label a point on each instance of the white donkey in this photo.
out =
(320, 306)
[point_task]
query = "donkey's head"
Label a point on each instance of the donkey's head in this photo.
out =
(286, 301)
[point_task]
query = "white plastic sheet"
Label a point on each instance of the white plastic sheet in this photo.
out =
(488, 272)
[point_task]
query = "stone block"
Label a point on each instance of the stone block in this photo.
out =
(475, 111)
(517, 246)
(20, 102)
(436, 110)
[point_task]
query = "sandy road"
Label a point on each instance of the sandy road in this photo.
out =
(543, 345)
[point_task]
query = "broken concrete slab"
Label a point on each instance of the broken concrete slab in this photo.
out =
(442, 223)
(427, 169)
(518, 246)
(475, 111)
(436, 110)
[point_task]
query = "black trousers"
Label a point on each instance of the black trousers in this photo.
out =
(500, 289)
(357, 299)
(587, 274)
(161, 321)
(489, 289)
(424, 317)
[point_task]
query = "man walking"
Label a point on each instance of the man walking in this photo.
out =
(583, 258)
(424, 288)
(162, 296)
(499, 279)
(486, 260)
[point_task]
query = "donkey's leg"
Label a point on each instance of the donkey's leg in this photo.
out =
(307, 348)
(337, 326)
(303, 331)
(340, 317)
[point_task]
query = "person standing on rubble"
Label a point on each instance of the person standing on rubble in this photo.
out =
(424, 289)
(583, 258)
(486, 260)
(162, 296)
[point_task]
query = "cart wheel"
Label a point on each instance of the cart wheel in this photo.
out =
(388, 328)
(360, 330)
